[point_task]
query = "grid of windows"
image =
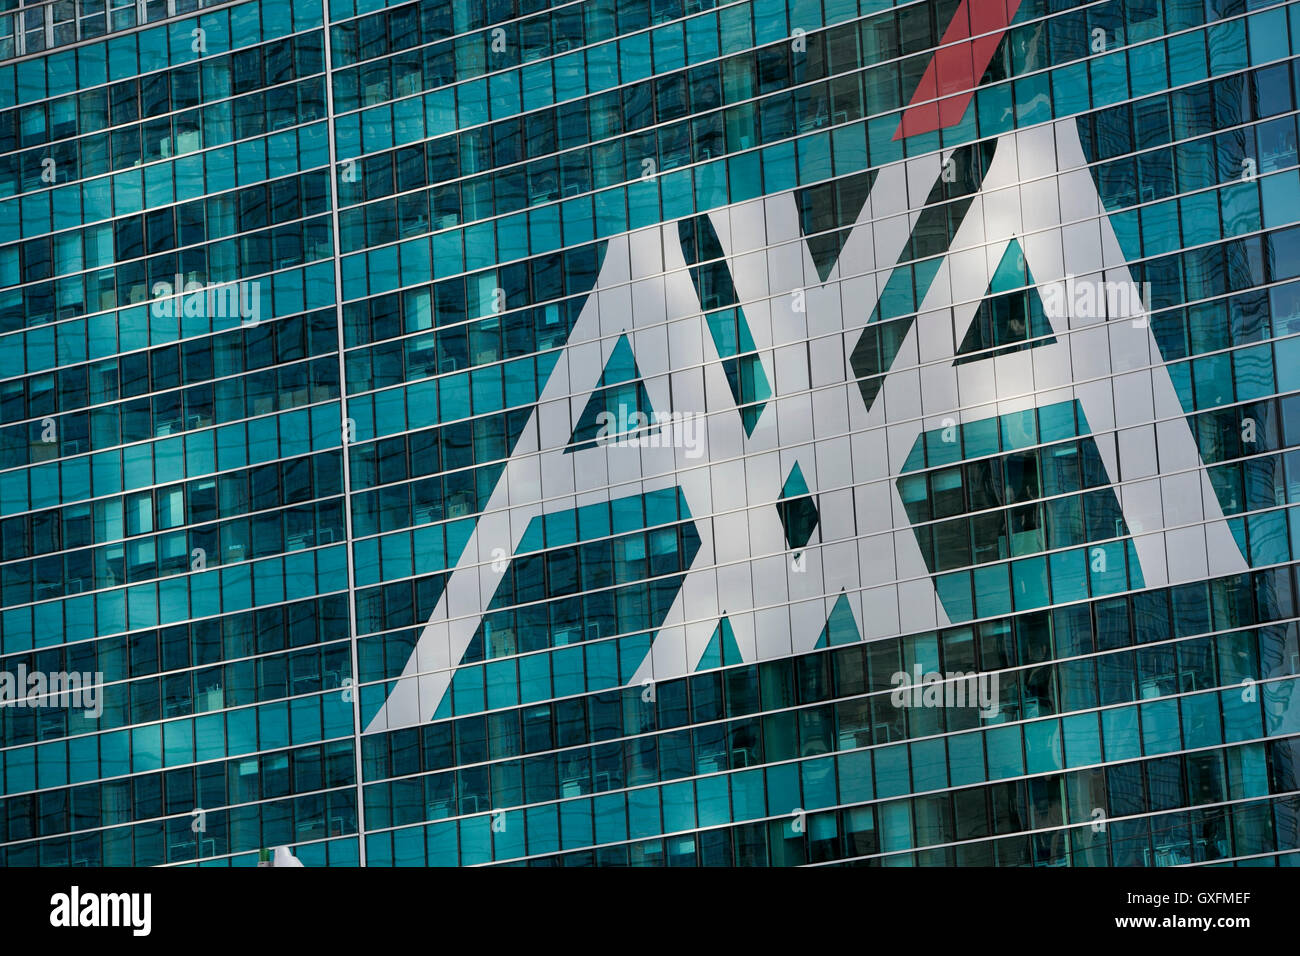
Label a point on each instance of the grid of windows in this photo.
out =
(313, 319)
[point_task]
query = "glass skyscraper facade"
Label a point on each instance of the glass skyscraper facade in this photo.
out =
(650, 432)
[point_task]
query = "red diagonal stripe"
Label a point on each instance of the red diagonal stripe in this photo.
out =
(949, 81)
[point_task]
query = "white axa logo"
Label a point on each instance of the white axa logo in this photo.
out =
(74, 909)
(632, 428)
(1088, 298)
(77, 691)
(953, 689)
(759, 444)
(220, 300)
